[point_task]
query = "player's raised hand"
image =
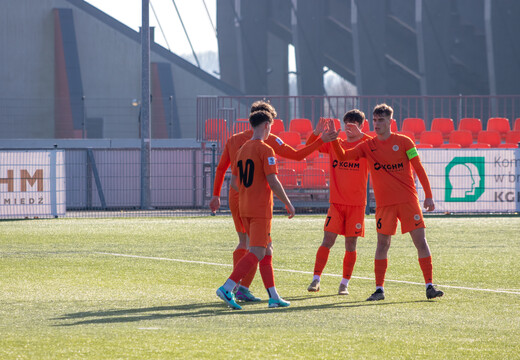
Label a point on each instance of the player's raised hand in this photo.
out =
(429, 205)
(320, 126)
(290, 210)
(330, 135)
(353, 131)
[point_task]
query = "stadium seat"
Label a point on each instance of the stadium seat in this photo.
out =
(424, 146)
(480, 145)
(444, 125)
(314, 178)
(295, 165)
(499, 124)
(433, 137)
(471, 124)
(366, 126)
(215, 129)
(490, 137)
(517, 125)
(462, 137)
(393, 125)
(241, 125)
(291, 138)
(277, 126)
(288, 178)
(415, 125)
(337, 124)
(508, 146)
(322, 163)
(410, 134)
(301, 126)
(450, 146)
(513, 137)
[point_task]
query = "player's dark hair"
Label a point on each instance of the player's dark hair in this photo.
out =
(354, 115)
(259, 117)
(263, 105)
(383, 109)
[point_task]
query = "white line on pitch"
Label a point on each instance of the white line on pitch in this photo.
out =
(303, 272)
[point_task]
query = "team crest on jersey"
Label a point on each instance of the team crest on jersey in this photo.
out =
(395, 147)
(271, 160)
(358, 226)
(417, 217)
(279, 141)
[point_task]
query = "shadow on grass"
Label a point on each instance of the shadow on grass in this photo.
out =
(208, 310)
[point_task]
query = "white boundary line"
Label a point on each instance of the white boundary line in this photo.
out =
(303, 272)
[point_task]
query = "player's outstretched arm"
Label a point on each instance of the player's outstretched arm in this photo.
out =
(279, 191)
(429, 204)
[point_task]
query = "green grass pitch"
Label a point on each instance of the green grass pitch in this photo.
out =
(145, 289)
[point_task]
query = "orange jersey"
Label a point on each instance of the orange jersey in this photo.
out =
(348, 179)
(236, 141)
(254, 161)
(389, 163)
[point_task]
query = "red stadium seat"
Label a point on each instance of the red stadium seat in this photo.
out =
(462, 137)
(301, 126)
(393, 125)
(415, 125)
(314, 178)
(433, 137)
(471, 124)
(508, 146)
(315, 154)
(480, 145)
(241, 125)
(424, 146)
(291, 138)
(295, 165)
(489, 137)
(499, 124)
(277, 126)
(288, 178)
(513, 137)
(450, 146)
(517, 125)
(322, 163)
(410, 134)
(444, 125)
(366, 126)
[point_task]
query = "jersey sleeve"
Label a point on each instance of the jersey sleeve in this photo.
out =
(312, 138)
(350, 154)
(220, 172)
(288, 152)
(269, 161)
(421, 174)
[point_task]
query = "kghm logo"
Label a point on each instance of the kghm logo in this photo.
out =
(465, 179)
(345, 164)
(389, 167)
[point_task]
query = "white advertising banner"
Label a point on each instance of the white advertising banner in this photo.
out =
(32, 184)
(473, 180)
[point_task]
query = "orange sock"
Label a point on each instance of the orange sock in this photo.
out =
(248, 279)
(267, 271)
(380, 266)
(322, 256)
(427, 269)
(348, 263)
(237, 255)
(243, 267)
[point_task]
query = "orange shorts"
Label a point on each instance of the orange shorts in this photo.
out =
(258, 230)
(235, 212)
(410, 215)
(345, 220)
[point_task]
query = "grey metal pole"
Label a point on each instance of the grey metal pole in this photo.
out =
(145, 106)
